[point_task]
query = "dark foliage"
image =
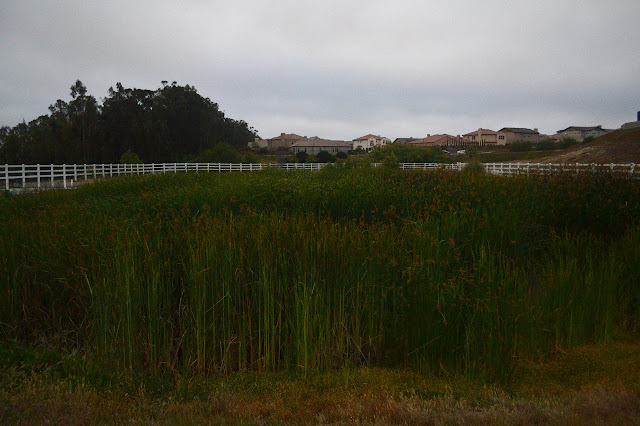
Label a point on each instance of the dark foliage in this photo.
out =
(167, 124)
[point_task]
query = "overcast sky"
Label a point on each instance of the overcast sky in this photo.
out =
(337, 69)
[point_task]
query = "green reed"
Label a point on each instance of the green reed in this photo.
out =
(208, 274)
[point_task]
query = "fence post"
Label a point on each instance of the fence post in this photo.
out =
(24, 178)
(6, 176)
(38, 174)
(64, 175)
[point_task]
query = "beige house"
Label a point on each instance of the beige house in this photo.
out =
(482, 137)
(441, 140)
(368, 142)
(508, 135)
(313, 146)
(579, 133)
(284, 141)
(258, 143)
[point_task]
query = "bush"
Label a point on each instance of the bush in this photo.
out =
(325, 157)
(221, 153)
(567, 142)
(250, 158)
(520, 146)
(546, 145)
(302, 157)
(130, 157)
(409, 154)
(474, 166)
(391, 161)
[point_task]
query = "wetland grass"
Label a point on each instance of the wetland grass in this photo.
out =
(210, 274)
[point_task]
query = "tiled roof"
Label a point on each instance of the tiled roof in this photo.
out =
(288, 136)
(518, 130)
(431, 139)
(582, 129)
(367, 137)
(317, 142)
(484, 132)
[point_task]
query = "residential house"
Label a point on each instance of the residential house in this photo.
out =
(313, 146)
(258, 143)
(509, 135)
(368, 142)
(579, 133)
(284, 141)
(482, 137)
(441, 141)
(632, 124)
(404, 141)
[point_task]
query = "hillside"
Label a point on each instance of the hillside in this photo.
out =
(620, 146)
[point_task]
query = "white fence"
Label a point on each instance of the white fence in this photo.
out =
(540, 168)
(67, 175)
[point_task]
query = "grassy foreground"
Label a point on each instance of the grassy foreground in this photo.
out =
(592, 384)
(306, 277)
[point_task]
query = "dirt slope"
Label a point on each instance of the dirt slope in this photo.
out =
(620, 146)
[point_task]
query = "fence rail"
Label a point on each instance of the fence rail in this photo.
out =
(36, 176)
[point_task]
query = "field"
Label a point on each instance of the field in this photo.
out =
(441, 275)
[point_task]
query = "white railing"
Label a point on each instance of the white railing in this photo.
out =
(540, 168)
(68, 175)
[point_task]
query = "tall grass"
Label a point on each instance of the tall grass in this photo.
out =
(208, 274)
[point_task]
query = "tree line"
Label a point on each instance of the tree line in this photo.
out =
(171, 123)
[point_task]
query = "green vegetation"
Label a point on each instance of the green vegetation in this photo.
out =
(170, 123)
(502, 156)
(440, 272)
(593, 384)
(407, 154)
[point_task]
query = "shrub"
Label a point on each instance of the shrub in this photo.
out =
(221, 153)
(302, 157)
(520, 146)
(325, 157)
(130, 157)
(567, 142)
(546, 145)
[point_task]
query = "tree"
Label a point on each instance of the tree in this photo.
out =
(83, 115)
(167, 124)
(325, 157)
(302, 157)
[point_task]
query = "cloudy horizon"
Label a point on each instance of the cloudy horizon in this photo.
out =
(337, 69)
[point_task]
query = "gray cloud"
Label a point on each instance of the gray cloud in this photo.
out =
(337, 69)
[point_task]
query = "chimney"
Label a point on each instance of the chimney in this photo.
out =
(535, 129)
(429, 134)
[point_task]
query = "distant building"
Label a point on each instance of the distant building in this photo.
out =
(632, 124)
(258, 143)
(509, 135)
(579, 133)
(284, 141)
(369, 142)
(441, 141)
(482, 137)
(404, 141)
(313, 146)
